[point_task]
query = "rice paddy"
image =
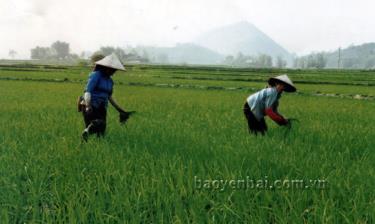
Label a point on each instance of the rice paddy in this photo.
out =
(186, 156)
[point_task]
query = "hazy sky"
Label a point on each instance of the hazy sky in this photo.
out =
(300, 26)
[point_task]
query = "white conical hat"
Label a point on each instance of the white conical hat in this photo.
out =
(111, 61)
(284, 79)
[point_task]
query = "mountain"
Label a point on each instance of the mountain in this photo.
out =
(187, 53)
(242, 37)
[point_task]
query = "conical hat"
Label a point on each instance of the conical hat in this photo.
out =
(289, 86)
(111, 61)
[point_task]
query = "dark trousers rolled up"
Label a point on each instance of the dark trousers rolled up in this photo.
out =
(255, 126)
(95, 120)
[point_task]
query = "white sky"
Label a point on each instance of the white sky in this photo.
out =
(301, 26)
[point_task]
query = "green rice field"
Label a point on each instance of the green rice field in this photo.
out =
(186, 155)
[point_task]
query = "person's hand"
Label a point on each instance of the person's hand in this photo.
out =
(290, 121)
(88, 109)
(124, 116)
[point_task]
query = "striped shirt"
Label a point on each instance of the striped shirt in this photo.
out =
(263, 99)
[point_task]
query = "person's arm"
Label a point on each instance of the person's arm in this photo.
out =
(271, 105)
(280, 120)
(115, 104)
(87, 100)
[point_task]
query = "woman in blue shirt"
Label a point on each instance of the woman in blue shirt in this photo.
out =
(98, 92)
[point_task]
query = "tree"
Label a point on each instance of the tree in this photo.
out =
(280, 62)
(263, 61)
(315, 60)
(41, 53)
(12, 53)
(302, 63)
(295, 62)
(74, 56)
(96, 57)
(107, 50)
(321, 60)
(120, 53)
(82, 62)
(240, 59)
(310, 59)
(60, 50)
(145, 58)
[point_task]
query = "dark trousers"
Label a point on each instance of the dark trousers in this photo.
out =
(95, 120)
(255, 126)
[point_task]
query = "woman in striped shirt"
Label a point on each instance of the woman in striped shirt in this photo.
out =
(265, 103)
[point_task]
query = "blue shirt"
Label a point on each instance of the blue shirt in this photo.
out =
(100, 87)
(265, 98)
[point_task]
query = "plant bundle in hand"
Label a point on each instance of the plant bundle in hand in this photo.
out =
(124, 116)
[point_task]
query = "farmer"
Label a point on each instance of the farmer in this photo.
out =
(265, 102)
(98, 92)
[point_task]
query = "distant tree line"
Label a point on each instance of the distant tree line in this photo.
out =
(352, 57)
(150, 54)
(12, 53)
(259, 61)
(131, 57)
(315, 60)
(58, 50)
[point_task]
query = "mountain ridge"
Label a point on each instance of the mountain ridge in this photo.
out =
(242, 37)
